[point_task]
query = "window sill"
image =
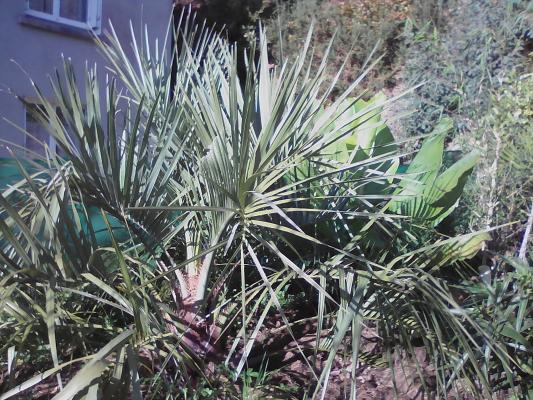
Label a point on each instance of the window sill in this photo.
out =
(57, 27)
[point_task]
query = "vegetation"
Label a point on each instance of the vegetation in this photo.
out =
(236, 19)
(472, 64)
(504, 303)
(205, 227)
(461, 61)
(361, 29)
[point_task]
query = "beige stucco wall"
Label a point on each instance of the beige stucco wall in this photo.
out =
(37, 52)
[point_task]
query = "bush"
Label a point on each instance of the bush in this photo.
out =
(502, 302)
(503, 187)
(262, 192)
(472, 68)
(460, 62)
(358, 26)
(236, 18)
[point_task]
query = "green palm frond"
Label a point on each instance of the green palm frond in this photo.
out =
(187, 202)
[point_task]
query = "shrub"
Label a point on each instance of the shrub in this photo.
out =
(503, 303)
(460, 62)
(231, 192)
(503, 187)
(237, 19)
(358, 26)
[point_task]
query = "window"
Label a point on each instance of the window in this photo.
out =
(40, 138)
(78, 13)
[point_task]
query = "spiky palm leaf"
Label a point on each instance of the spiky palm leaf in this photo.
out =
(198, 170)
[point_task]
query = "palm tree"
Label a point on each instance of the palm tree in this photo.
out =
(216, 194)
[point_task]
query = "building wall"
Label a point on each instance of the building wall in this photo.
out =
(32, 51)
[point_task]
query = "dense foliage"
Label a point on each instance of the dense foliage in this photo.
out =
(202, 215)
(361, 29)
(461, 61)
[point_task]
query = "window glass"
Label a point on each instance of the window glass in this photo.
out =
(73, 9)
(70, 12)
(37, 130)
(39, 134)
(45, 6)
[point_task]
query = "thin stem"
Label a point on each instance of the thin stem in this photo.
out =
(525, 239)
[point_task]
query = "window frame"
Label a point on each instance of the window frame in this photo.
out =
(94, 15)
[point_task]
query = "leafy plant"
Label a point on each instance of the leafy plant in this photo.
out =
(237, 20)
(204, 172)
(360, 29)
(433, 196)
(503, 187)
(502, 301)
(460, 62)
